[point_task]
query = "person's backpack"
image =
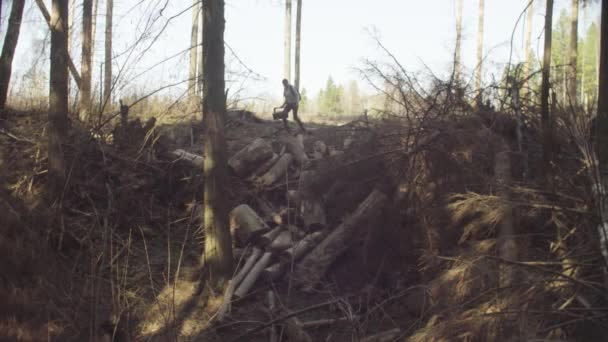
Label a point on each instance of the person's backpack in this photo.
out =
(295, 92)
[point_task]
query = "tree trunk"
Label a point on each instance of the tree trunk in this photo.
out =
(200, 58)
(298, 41)
(573, 55)
(602, 105)
(287, 61)
(528, 50)
(47, 18)
(86, 69)
(315, 264)
(218, 243)
(193, 53)
(545, 118)
(8, 51)
(457, 65)
(507, 247)
(58, 95)
(479, 53)
(107, 81)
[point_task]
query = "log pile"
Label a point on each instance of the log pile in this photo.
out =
(284, 228)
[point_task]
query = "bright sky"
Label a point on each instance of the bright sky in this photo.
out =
(335, 37)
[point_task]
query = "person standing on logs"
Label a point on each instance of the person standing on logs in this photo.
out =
(292, 99)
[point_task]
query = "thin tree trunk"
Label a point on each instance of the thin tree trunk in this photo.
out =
(545, 118)
(47, 18)
(58, 95)
(71, 39)
(457, 66)
(602, 104)
(287, 61)
(8, 51)
(201, 51)
(573, 55)
(84, 107)
(193, 52)
(298, 40)
(107, 83)
(217, 256)
(479, 52)
(528, 50)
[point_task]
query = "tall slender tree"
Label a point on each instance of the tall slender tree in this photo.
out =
(193, 51)
(479, 51)
(546, 73)
(8, 51)
(86, 68)
(457, 65)
(201, 51)
(58, 95)
(217, 258)
(287, 60)
(573, 54)
(107, 81)
(298, 42)
(602, 105)
(528, 48)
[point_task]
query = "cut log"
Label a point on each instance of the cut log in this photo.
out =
(385, 336)
(253, 275)
(283, 241)
(267, 238)
(319, 149)
(270, 214)
(192, 158)
(250, 157)
(302, 247)
(272, 308)
(295, 146)
(246, 225)
(251, 260)
(226, 306)
(274, 271)
(276, 171)
(264, 167)
(313, 214)
(310, 270)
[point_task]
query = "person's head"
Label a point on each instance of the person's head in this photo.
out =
(285, 82)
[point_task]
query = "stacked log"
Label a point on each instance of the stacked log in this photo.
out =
(245, 224)
(250, 157)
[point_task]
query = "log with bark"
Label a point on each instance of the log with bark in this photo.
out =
(253, 275)
(192, 158)
(276, 171)
(264, 167)
(246, 225)
(250, 157)
(271, 215)
(283, 241)
(313, 213)
(319, 149)
(300, 248)
(310, 270)
(267, 238)
(295, 146)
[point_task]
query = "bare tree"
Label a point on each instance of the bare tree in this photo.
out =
(479, 51)
(107, 82)
(86, 68)
(602, 105)
(546, 73)
(298, 41)
(193, 51)
(58, 94)
(200, 58)
(217, 258)
(528, 47)
(457, 65)
(573, 54)
(287, 60)
(8, 51)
